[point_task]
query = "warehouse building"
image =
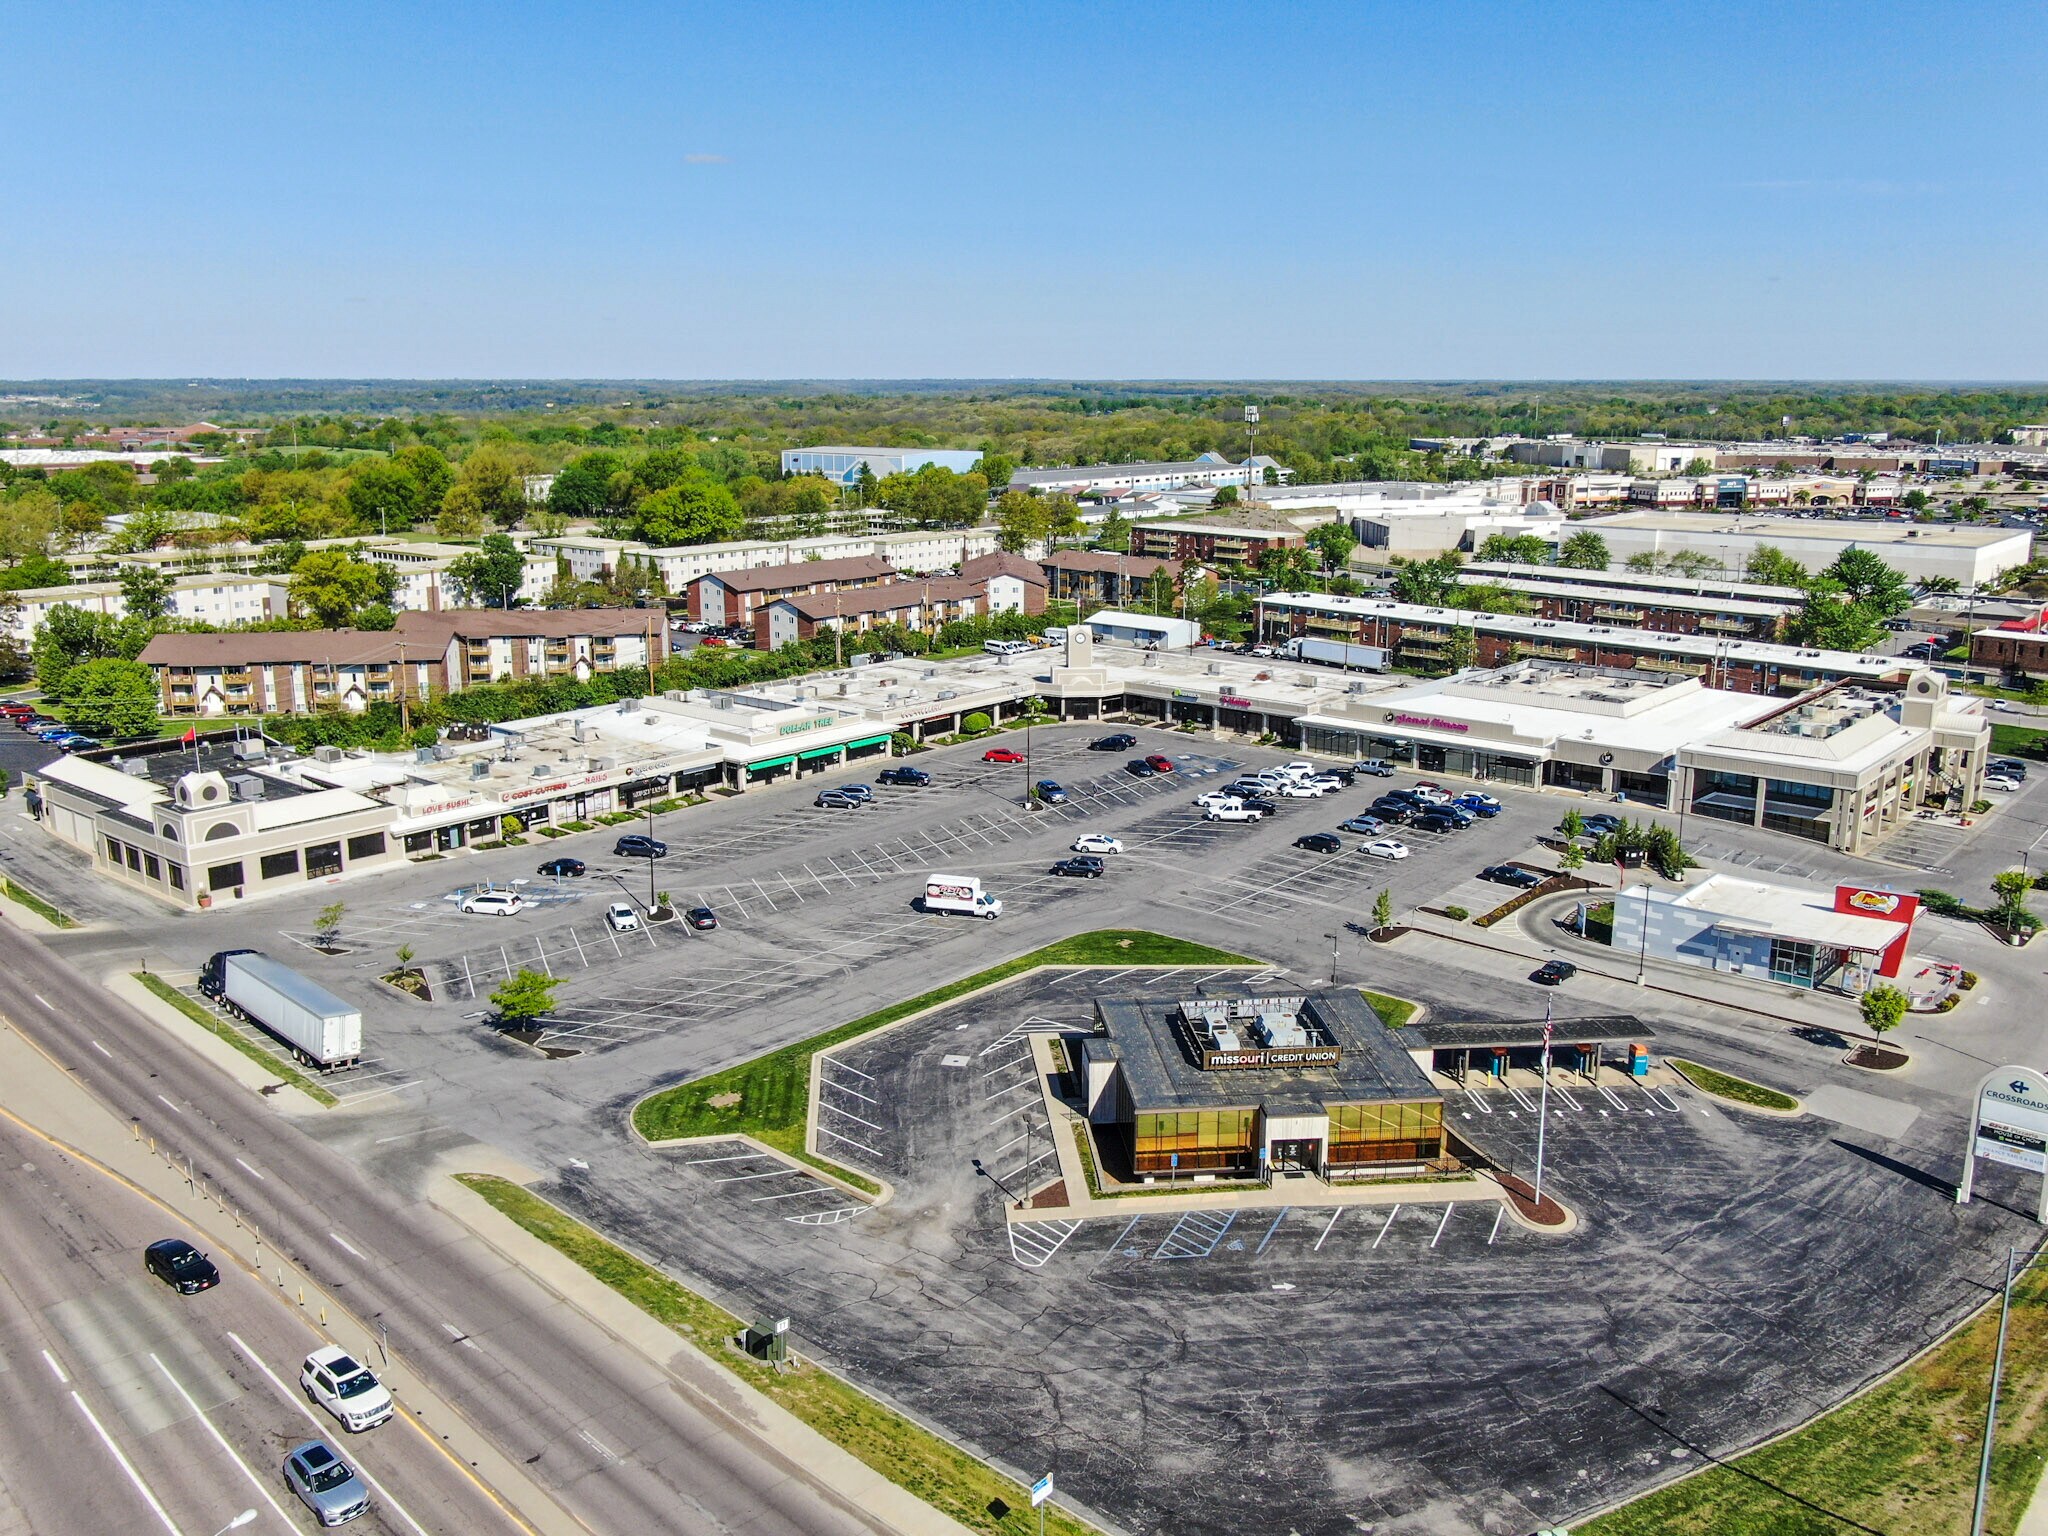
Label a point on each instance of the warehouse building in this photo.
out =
(1967, 554)
(1234, 1084)
(844, 465)
(1208, 471)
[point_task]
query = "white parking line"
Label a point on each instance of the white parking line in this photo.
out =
(856, 1119)
(772, 1173)
(1442, 1224)
(251, 1169)
(1390, 1222)
(344, 1243)
(825, 1130)
(1270, 1231)
(1327, 1230)
(56, 1370)
(1500, 1215)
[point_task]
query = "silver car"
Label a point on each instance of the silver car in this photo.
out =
(325, 1483)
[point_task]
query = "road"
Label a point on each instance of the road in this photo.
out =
(125, 1407)
(610, 1435)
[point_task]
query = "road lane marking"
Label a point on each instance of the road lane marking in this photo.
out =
(306, 1413)
(221, 1440)
(597, 1445)
(56, 1370)
(167, 1104)
(103, 1050)
(41, 999)
(126, 1466)
(251, 1169)
(459, 1336)
(344, 1242)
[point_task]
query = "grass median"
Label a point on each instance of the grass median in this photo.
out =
(913, 1458)
(37, 905)
(1723, 1086)
(273, 1064)
(1393, 1011)
(768, 1098)
(1901, 1458)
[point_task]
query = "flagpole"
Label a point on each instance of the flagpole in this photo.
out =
(1543, 1112)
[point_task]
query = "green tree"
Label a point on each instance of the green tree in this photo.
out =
(1940, 586)
(2011, 887)
(1021, 521)
(490, 575)
(584, 487)
(1644, 562)
(697, 509)
(382, 494)
(492, 480)
(329, 585)
(111, 698)
(1771, 567)
(1489, 597)
(1869, 583)
(1883, 1008)
(142, 531)
(69, 637)
(1573, 859)
(1514, 549)
(1585, 551)
(1334, 541)
(35, 571)
(1113, 533)
(431, 473)
(1226, 496)
(1694, 563)
(327, 923)
(1461, 649)
(1063, 518)
(1698, 467)
(935, 497)
(1383, 907)
(1428, 582)
(1572, 825)
(523, 997)
(996, 469)
(461, 515)
(145, 592)
(1914, 500)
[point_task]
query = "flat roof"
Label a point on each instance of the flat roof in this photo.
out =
(1636, 596)
(1508, 1034)
(1161, 1071)
(1834, 530)
(1779, 911)
(1697, 586)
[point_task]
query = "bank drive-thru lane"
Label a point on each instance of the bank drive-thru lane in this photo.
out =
(125, 1406)
(612, 1437)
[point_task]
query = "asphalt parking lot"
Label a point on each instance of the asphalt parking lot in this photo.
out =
(1424, 1368)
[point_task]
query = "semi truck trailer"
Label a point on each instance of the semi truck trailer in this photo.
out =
(1337, 653)
(322, 1030)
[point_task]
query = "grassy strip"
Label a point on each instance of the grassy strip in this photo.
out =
(2019, 741)
(769, 1097)
(1902, 1457)
(1393, 1011)
(913, 1458)
(37, 905)
(241, 1042)
(1722, 1086)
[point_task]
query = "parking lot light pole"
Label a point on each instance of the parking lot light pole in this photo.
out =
(650, 863)
(1543, 1109)
(981, 1169)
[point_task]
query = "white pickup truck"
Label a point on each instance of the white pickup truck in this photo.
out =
(1236, 811)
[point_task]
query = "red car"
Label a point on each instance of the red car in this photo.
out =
(1001, 755)
(1159, 764)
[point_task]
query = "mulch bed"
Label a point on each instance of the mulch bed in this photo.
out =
(1548, 1214)
(1053, 1195)
(1877, 1058)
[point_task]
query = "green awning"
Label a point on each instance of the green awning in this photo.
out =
(868, 741)
(773, 762)
(819, 752)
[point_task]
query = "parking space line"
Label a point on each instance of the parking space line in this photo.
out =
(1000, 1093)
(766, 897)
(832, 1082)
(828, 1131)
(992, 1071)
(737, 1157)
(1270, 1231)
(847, 1067)
(1500, 1215)
(1390, 1222)
(1021, 1109)
(856, 1119)
(1442, 1224)
(787, 1194)
(1328, 1230)
(772, 1173)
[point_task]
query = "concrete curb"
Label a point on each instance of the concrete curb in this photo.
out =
(862, 1195)
(288, 1098)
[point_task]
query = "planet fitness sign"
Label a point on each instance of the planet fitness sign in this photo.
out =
(1427, 722)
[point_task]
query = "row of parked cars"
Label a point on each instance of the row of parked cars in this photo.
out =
(314, 1470)
(48, 729)
(2004, 775)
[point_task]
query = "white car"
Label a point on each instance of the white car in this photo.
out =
(1301, 791)
(2004, 706)
(1097, 842)
(621, 916)
(1212, 800)
(1385, 848)
(1432, 796)
(2000, 785)
(494, 903)
(349, 1391)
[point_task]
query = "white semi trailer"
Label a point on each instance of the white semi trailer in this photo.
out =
(323, 1030)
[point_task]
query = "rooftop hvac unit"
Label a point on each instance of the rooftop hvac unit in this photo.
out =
(246, 786)
(443, 752)
(479, 769)
(327, 754)
(423, 754)
(543, 770)
(135, 767)
(250, 747)
(576, 730)
(603, 764)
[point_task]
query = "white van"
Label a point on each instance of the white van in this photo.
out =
(1006, 647)
(1055, 634)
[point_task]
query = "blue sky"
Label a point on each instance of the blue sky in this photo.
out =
(1425, 190)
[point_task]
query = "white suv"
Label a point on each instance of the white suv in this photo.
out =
(622, 918)
(495, 903)
(349, 1391)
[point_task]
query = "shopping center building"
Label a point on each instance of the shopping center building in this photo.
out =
(1235, 1084)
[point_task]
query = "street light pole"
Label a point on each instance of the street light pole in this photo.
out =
(650, 863)
(1543, 1110)
(1991, 1408)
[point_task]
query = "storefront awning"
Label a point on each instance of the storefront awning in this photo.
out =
(773, 762)
(820, 752)
(868, 741)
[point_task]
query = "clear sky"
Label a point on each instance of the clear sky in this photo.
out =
(1431, 189)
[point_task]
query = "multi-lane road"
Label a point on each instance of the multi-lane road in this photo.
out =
(616, 1441)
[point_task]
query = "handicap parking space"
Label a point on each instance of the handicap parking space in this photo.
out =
(750, 1185)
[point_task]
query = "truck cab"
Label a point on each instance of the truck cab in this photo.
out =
(213, 974)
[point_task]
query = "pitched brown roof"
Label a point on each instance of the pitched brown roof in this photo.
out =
(1002, 563)
(777, 578)
(265, 648)
(880, 599)
(437, 627)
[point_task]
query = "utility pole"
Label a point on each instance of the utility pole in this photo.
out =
(1991, 1408)
(1543, 1110)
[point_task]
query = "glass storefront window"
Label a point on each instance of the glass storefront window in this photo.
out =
(1385, 1133)
(1202, 1139)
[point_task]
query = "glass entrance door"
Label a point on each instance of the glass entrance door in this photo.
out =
(1303, 1156)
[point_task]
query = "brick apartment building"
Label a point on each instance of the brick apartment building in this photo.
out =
(1216, 541)
(735, 597)
(1102, 578)
(1014, 584)
(923, 605)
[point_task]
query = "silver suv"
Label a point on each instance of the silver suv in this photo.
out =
(326, 1484)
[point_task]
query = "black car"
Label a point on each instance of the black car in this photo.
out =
(1394, 810)
(1137, 767)
(1511, 874)
(1551, 972)
(1436, 821)
(1320, 842)
(638, 845)
(562, 867)
(180, 1266)
(1117, 743)
(916, 777)
(1406, 797)
(1343, 776)
(701, 918)
(1081, 867)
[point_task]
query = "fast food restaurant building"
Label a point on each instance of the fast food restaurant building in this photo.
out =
(1803, 938)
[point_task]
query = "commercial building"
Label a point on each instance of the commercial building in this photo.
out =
(204, 599)
(917, 549)
(733, 597)
(424, 585)
(843, 465)
(1209, 471)
(1966, 554)
(296, 671)
(1423, 639)
(1099, 576)
(1840, 765)
(2018, 646)
(1642, 458)
(1143, 629)
(1234, 1084)
(1228, 539)
(1775, 933)
(923, 604)
(1620, 601)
